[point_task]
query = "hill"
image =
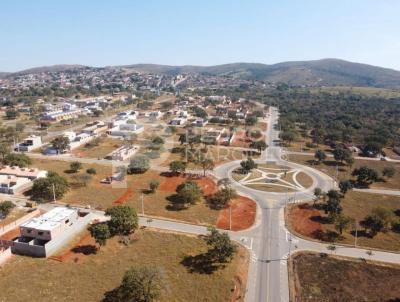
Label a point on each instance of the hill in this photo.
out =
(325, 72)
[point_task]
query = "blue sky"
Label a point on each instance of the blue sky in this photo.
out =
(202, 32)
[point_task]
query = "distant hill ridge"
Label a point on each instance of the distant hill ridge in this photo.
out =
(325, 72)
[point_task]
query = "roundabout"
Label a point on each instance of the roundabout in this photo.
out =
(273, 178)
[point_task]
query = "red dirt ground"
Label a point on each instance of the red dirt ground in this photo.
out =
(300, 220)
(124, 197)
(206, 184)
(10, 235)
(241, 140)
(243, 214)
(77, 253)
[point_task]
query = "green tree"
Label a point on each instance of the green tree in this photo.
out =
(20, 160)
(60, 143)
(139, 284)
(259, 145)
(42, 189)
(342, 223)
(340, 154)
(333, 204)
(100, 232)
(91, 171)
(177, 167)
(153, 185)
(123, 221)
(220, 247)
(248, 165)
(6, 207)
(207, 164)
(251, 120)
(189, 192)
(4, 150)
(378, 220)
(139, 164)
(345, 186)
(75, 166)
(365, 175)
(221, 198)
(288, 136)
(320, 155)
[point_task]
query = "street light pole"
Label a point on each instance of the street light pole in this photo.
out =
(141, 197)
(355, 239)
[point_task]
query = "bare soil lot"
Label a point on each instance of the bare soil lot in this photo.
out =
(330, 279)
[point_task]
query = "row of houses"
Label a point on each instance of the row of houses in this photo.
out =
(15, 180)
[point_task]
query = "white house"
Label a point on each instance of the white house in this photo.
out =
(30, 143)
(125, 130)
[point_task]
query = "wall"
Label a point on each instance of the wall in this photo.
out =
(19, 221)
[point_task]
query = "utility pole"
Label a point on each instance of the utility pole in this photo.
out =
(141, 198)
(54, 192)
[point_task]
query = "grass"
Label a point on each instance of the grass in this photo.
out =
(14, 215)
(105, 146)
(101, 196)
(344, 172)
(326, 279)
(101, 272)
(358, 205)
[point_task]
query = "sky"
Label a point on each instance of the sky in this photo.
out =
(197, 32)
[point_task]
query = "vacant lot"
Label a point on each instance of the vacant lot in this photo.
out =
(102, 196)
(329, 279)
(98, 273)
(104, 147)
(311, 222)
(344, 172)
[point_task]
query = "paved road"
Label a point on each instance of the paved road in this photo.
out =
(379, 191)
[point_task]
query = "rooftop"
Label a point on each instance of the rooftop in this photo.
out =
(49, 220)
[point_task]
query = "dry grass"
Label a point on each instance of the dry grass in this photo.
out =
(344, 172)
(101, 196)
(14, 215)
(106, 146)
(101, 272)
(356, 205)
(326, 279)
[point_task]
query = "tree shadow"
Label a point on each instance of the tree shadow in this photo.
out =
(328, 236)
(70, 171)
(397, 212)
(320, 219)
(360, 233)
(87, 249)
(176, 203)
(201, 264)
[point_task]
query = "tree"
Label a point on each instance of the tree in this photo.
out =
(333, 206)
(221, 198)
(320, 155)
(379, 219)
(139, 284)
(12, 114)
(317, 193)
(345, 186)
(158, 140)
(340, 154)
(91, 171)
(177, 167)
(342, 223)
(259, 145)
(200, 112)
(139, 164)
(388, 172)
(60, 143)
(220, 247)
(75, 166)
(189, 192)
(288, 136)
(248, 165)
(43, 189)
(153, 185)
(123, 221)
(365, 175)
(251, 120)
(6, 207)
(20, 160)
(100, 232)
(207, 164)
(4, 150)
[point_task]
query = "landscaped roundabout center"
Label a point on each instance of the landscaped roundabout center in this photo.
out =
(270, 177)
